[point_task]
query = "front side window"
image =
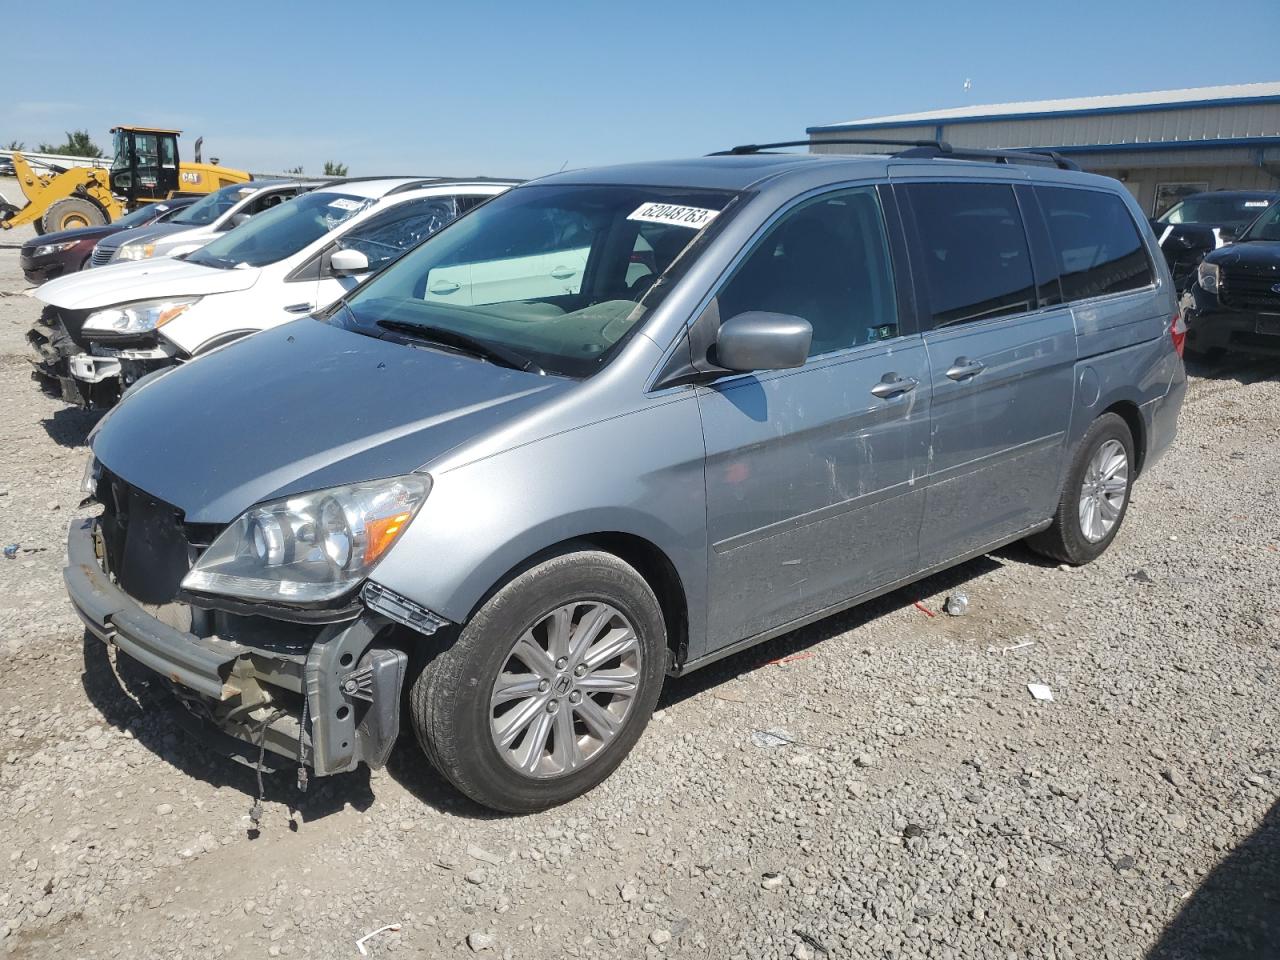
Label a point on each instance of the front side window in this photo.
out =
(976, 261)
(1098, 247)
(208, 209)
(280, 231)
(826, 261)
(543, 271)
(1266, 227)
(384, 237)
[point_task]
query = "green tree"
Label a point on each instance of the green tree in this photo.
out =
(332, 169)
(78, 144)
(16, 145)
(295, 171)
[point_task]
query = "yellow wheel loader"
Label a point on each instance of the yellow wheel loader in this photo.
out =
(144, 169)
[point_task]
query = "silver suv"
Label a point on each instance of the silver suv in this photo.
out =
(614, 425)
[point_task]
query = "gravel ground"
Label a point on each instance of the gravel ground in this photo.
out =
(912, 800)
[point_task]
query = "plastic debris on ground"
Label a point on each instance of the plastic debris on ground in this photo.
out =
(925, 610)
(774, 737)
(392, 927)
(11, 551)
(1040, 691)
(956, 605)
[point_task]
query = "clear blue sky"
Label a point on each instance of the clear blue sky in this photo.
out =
(523, 88)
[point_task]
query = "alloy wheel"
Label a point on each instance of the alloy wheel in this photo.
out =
(1103, 492)
(565, 689)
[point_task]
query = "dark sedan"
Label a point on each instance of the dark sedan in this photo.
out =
(1203, 222)
(67, 251)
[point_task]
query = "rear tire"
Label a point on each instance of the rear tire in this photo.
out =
(457, 703)
(1099, 451)
(70, 213)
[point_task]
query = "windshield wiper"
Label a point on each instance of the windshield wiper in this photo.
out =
(483, 349)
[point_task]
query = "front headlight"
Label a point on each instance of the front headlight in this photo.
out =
(136, 251)
(51, 248)
(312, 547)
(138, 317)
(1207, 274)
(92, 474)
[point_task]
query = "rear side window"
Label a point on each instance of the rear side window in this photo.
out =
(976, 261)
(1097, 244)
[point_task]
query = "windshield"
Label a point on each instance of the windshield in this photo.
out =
(557, 274)
(204, 211)
(280, 231)
(120, 151)
(1216, 211)
(1266, 227)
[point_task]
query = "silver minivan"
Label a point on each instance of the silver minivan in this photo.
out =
(613, 425)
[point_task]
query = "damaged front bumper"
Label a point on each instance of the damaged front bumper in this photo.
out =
(89, 373)
(330, 704)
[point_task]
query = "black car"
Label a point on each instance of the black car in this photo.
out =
(1235, 300)
(67, 251)
(1202, 222)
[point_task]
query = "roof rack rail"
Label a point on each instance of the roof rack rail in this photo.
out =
(439, 181)
(920, 149)
(1048, 158)
(761, 147)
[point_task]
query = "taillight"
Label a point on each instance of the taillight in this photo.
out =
(1178, 331)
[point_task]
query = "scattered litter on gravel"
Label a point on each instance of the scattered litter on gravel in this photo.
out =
(918, 802)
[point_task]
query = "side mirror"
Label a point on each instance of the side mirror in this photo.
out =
(241, 218)
(346, 263)
(763, 341)
(1228, 234)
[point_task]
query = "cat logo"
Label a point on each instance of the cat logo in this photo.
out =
(190, 177)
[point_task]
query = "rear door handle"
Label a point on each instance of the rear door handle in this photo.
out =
(891, 385)
(964, 368)
(563, 273)
(442, 287)
(300, 308)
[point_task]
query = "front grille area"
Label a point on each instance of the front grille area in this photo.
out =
(144, 540)
(1250, 291)
(101, 255)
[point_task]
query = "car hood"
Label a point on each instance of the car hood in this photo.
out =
(66, 236)
(1256, 256)
(141, 280)
(151, 231)
(302, 407)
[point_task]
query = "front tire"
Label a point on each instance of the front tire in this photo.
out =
(1095, 498)
(548, 686)
(71, 213)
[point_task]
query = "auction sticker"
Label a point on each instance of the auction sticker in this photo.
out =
(342, 203)
(695, 218)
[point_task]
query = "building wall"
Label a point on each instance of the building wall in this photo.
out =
(1120, 138)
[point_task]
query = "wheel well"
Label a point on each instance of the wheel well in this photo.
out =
(649, 561)
(1128, 411)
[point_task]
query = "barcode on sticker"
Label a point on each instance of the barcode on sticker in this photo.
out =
(695, 218)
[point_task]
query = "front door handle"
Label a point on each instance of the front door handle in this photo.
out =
(964, 368)
(891, 385)
(441, 287)
(300, 308)
(563, 273)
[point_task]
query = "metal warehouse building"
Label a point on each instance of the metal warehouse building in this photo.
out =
(1162, 145)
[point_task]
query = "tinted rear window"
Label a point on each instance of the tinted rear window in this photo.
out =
(1097, 244)
(976, 261)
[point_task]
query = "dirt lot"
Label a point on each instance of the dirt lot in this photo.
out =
(914, 802)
